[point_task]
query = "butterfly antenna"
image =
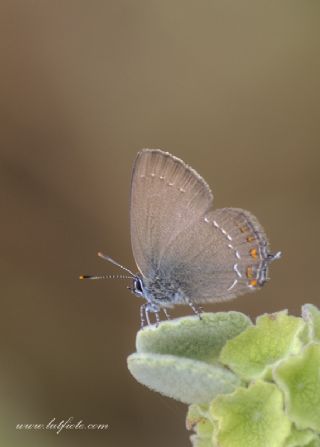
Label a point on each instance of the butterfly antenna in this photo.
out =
(107, 258)
(104, 277)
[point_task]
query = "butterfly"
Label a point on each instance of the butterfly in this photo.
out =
(186, 251)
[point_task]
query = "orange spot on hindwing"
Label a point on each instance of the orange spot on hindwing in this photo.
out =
(253, 283)
(253, 253)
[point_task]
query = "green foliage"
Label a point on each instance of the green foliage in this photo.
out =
(312, 315)
(299, 379)
(247, 385)
(253, 353)
(252, 416)
(187, 380)
(185, 337)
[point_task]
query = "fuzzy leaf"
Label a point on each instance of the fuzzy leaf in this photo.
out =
(314, 443)
(196, 413)
(198, 441)
(186, 380)
(300, 438)
(252, 353)
(311, 314)
(299, 378)
(251, 417)
(199, 419)
(191, 337)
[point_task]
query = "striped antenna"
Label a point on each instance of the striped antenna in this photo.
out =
(107, 258)
(104, 277)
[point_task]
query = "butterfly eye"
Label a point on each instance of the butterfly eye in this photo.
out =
(138, 287)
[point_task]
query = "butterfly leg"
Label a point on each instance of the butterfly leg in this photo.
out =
(166, 313)
(157, 319)
(196, 309)
(154, 308)
(147, 310)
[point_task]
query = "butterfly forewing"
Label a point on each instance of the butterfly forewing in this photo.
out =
(167, 196)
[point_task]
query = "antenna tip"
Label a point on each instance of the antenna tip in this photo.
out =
(84, 277)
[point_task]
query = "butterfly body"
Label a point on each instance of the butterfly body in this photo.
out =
(160, 291)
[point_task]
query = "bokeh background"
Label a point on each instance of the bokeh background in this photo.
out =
(230, 87)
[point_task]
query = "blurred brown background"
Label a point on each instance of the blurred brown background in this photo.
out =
(230, 87)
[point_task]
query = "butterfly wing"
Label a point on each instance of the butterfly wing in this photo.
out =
(222, 255)
(167, 197)
(209, 255)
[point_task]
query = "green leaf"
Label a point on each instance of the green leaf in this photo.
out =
(196, 413)
(252, 354)
(191, 337)
(199, 419)
(251, 417)
(186, 380)
(314, 443)
(311, 314)
(198, 441)
(299, 438)
(299, 378)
